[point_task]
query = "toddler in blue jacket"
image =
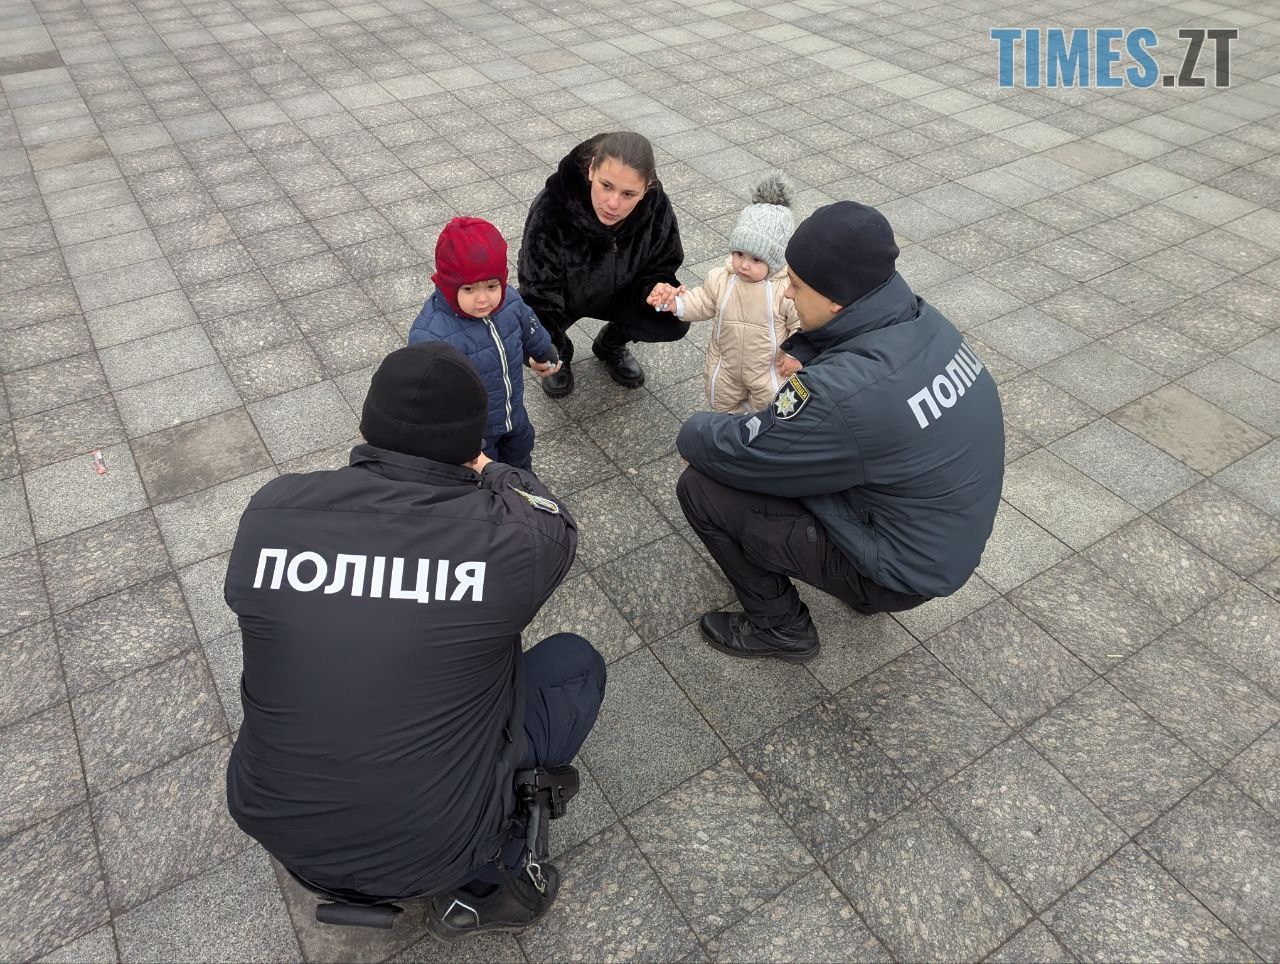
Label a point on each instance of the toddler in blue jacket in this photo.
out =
(473, 309)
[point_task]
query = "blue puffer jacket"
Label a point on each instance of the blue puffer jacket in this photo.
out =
(497, 346)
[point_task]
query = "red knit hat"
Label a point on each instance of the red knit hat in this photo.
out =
(469, 250)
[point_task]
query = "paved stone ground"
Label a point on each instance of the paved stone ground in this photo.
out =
(218, 215)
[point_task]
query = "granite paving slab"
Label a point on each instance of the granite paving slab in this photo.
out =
(129, 727)
(611, 904)
(811, 920)
(740, 699)
(23, 600)
(1096, 619)
(1221, 846)
(662, 587)
(1224, 526)
(55, 890)
(43, 762)
(1035, 828)
(1131, 909)
(220, 915)
(925, 892)
(1127, 764)
(684, 834)
(925, 720)
(1011, 663)
(166, 827)
(1034, 944)
(646, 726)
(1195, 694)
(1243, 627)
(34, 681)
(827, 778)
(1167, 573)
(98, 945)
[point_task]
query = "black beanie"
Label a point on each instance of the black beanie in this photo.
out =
(426, 400)
(843, 251)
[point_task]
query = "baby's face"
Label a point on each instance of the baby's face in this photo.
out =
(479, 300)
(748, 267)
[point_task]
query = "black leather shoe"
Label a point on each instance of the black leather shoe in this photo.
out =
(511, 905)
(736, 635)
(560, 384)
(623, 366)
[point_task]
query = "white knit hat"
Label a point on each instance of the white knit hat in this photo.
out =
(765, 225)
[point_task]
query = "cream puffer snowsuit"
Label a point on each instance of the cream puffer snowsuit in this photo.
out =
(751, 320)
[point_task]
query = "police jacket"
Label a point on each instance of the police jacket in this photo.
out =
(381, 607)
(571, 265)
(497, 346)
(891, 436)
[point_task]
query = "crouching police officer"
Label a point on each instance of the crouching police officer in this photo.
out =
(875, 474)
(393, 731)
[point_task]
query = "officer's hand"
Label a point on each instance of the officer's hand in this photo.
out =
(787, 366)
(478, 463)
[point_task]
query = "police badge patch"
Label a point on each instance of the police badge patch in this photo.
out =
(791, 398)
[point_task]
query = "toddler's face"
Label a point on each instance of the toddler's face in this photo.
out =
(749, 267)
(479, 300)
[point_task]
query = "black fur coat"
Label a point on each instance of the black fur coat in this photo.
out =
(570, 263)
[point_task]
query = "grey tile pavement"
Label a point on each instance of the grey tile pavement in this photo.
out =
(214, 219)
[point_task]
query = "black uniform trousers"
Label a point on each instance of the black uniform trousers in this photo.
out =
(630, 319)
(762, 541)
(564, 679)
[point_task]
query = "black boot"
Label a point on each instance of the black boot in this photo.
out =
(610, 347)
(561, 383)
(736, 635)
(511, 905)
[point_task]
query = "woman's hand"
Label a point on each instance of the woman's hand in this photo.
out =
(787, 366)
(544, 369)
(663, 296)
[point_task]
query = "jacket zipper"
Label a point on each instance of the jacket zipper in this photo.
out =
(715, 375)
(502, 357)
(773, 336)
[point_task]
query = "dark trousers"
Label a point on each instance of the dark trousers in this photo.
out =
(564, 681)
(762, 540)
(629, 318)
(515, 448)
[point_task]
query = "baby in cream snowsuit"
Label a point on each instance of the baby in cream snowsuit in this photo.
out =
(744, 296)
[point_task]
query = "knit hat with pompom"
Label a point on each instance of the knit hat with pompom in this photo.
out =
(765, 225)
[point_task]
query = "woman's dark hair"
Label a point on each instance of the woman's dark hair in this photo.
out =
(625, 147)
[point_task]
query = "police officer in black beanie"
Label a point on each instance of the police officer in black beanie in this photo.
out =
(387, 703)
(874, 475)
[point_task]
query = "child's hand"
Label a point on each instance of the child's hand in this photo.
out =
(660, 294)
(787, 366)
(543, 369)
(663, 296)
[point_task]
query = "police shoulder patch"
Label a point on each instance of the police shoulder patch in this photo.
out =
(791, 398)
(538, 502)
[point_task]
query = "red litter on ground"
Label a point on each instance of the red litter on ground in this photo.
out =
(99, 465)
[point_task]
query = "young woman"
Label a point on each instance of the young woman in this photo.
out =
(598, 238)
